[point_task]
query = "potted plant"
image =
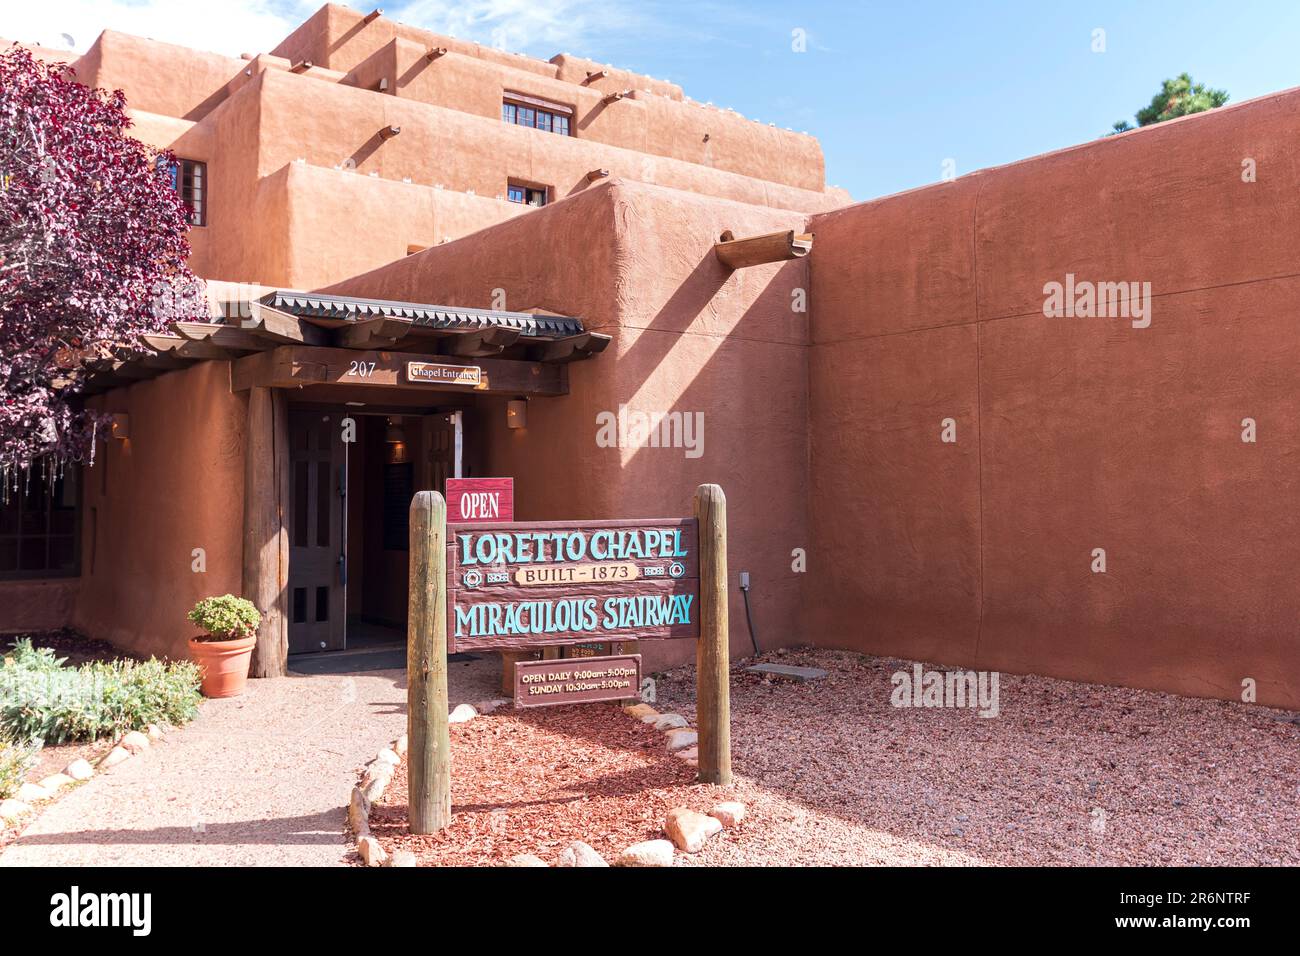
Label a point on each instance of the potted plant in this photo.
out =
(223, 651)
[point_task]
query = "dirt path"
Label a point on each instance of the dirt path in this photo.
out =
(261, 779)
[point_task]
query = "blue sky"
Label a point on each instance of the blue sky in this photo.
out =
(891, 90)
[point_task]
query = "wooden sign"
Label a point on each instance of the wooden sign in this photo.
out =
(583, 681)
(529, 584)
(480, 500)
(682, 563)
(439, 373)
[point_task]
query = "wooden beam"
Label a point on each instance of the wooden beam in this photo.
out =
(571, 348)
(302, 67)
(282, 327)
(137, 371)
(388, 132)
(373, 333)
(593, 75)
(297, 366)
(374, 14)
(594, 174)
(163, 362)
(434, 52)
(490, 341)
(206, 350)
(266, 541)
(221, 335)
(162, 343)
(174, 346)
(428, 740)
(615, 97)
(756, 250)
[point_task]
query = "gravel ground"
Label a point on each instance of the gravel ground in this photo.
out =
(831, 773)
(1068, 773)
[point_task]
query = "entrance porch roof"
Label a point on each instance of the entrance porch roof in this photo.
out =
(286, 317)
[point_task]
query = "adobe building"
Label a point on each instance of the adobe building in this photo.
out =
(893, 407)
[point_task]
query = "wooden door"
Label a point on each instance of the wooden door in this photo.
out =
(317, 549)
(442, 451)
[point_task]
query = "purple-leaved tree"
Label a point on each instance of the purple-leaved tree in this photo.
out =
(92, 253)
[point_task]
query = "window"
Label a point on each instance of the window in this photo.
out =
(39, 528)
(516, 192)
(536, 114)
(190, 179)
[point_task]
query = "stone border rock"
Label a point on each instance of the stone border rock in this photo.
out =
(679, 738)
(375, 779)
(79, 771)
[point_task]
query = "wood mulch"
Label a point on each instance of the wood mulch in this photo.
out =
(534, 781)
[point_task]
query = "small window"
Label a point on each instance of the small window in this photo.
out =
(190, 180)
(536, 114)
(528, 195)
(39, 528)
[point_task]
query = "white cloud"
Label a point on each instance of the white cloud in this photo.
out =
(230, 26)
(540, 27)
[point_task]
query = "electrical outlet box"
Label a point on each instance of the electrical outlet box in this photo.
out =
(744, 580)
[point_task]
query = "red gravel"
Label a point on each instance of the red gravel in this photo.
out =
(844, 777)
(831, 773)
(534, 781)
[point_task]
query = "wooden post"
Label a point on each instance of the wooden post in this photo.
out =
(428, 745)
(266, 542)
(712, 654)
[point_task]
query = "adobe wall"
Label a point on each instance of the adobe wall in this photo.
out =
(158, 77)
(636, 262)
(176, 484)
(644, 121)
(1072, 433)
(43, 605)
(330, 124)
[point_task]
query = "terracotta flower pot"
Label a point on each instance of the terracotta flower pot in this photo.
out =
(224, 665)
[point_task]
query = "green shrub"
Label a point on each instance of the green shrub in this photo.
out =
(43, 700)
(226, 618)
(16, 759)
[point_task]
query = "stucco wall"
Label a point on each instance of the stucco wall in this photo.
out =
(636, 262)
(175, 485)
(643, 121)
(1072, 433)
(42, 605)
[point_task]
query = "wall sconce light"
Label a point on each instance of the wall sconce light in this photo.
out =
(517, 413)
(121, 428)
(395, 437)
(394, 434)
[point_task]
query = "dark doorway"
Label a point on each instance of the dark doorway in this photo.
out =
(318, 474)
(352, 476)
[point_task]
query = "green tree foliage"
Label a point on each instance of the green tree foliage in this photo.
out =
(1177, 97)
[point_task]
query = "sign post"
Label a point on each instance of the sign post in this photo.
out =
(518, 586)
(712, 654)
(428, 743)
